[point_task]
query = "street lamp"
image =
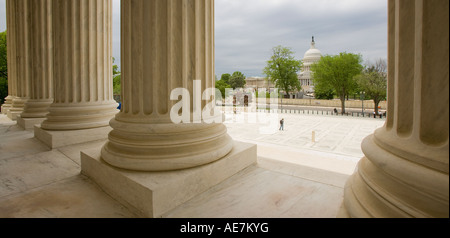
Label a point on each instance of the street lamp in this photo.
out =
(362, 101)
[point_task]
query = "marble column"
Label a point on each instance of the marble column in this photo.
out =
(23, 59)
(405, 171)
(165, 45)
(11, 54)
(82, 71)
(41, 88)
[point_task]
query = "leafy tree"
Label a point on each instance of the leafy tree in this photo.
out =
(115, 68)
(222, 85)
(3, 68)
(225, 78)
(373, 81)
(3, 56)
(116, 85)
(237, 80)
(282, 69)
(324, 91)
(337, 72)
(116, 79)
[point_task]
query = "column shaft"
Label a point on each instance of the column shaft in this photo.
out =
(82, 66)
(166, 44)
(23, 56)
(41, 71)
(11, 54)
(405, 171)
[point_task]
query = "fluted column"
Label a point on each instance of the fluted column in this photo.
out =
(166, 44)
(405, 171)
(82, 65)
(23, 57)
(11, 54)
(41, 90)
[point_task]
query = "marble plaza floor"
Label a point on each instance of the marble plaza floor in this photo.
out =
(295, 177)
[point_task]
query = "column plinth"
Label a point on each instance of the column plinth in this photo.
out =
(405, 171)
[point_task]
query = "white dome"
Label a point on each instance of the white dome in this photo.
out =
(313, 54)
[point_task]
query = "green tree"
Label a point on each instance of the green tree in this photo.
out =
(222, 85)
(115, 67)
(337, 72)
(116, 79)
(116, 85)
(225, 78)
(373, 81)
(237, 80)
(3, 68)
(282, 69)
(324, 91)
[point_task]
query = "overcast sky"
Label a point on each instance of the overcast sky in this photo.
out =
(247, 30)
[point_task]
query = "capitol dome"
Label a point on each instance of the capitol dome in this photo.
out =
(313, 54)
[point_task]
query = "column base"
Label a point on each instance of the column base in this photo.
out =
(17, 106)
(28, 123)
(13, 114)
(55, 139)
(342, 213)
(386, 185)
(7, 105)
(152, 194)
(5, 109)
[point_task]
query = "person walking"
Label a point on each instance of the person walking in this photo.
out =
(282, 124)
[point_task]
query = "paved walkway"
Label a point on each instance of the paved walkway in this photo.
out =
(294, 177)
(339, 135)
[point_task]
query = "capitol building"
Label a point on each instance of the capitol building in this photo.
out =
(311, 56)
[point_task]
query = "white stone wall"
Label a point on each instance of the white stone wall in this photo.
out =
(368, 104)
